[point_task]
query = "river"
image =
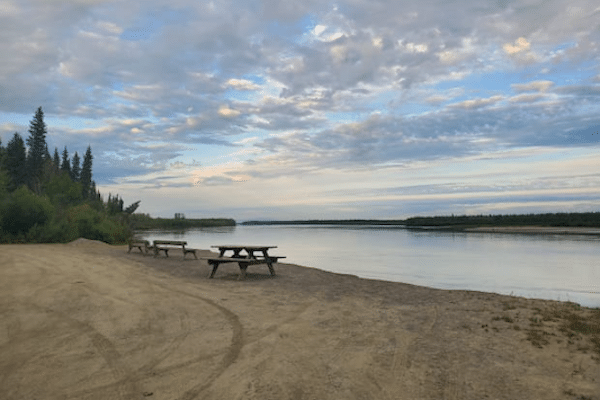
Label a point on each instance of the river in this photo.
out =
(546, 266)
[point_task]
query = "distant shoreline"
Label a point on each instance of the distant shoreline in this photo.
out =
(523, 229)
(587, 223)
(536, 229)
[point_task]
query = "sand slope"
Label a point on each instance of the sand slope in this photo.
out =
(89, 321)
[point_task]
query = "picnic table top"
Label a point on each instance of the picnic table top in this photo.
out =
(173, 242)
(230, 246)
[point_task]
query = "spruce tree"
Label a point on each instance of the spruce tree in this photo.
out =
(36, 142)
(66, 164)
(2, 151)
(56, 160)
(16, 162)
(75, 168)
(86, 176)
(94, 194)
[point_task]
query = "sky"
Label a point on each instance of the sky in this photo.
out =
(315, 109)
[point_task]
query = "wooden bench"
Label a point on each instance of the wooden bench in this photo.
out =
(242, 262)
(143, 245)
(166, 245)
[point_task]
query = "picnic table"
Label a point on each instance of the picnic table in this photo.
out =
(166, 245)
(244, 255)
(143, 245)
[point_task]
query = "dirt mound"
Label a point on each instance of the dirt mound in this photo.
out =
(87, 242)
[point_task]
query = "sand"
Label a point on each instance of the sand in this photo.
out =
(89, 321)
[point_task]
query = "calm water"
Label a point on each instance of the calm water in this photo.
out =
(556, 267)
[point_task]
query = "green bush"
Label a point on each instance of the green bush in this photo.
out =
(63, 191)
(4, 180)
(57, 230)
(91, 224)
(23, 210)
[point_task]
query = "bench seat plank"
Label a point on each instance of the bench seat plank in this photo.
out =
(242, 262)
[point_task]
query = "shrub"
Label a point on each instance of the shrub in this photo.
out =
(23, 210)
(57, 230)
(63, 191)
(89, 223)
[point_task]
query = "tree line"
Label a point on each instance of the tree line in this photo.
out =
(46, 198)
(584, 219)
(145, 221)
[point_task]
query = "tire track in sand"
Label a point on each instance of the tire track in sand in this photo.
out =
(126, 377)
(237, 343)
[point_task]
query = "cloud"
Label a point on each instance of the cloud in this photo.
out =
(520, 45)
(537, 86)
(477, 103)
(527, 98)
(297, 89)
(242, 84)
(215, 181)
(227, 112)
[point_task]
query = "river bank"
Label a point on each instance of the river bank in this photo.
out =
(538, 230)
(89, 321)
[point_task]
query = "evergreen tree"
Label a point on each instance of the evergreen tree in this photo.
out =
(114, 205)
(75, 168)
(47, 154)
(36, 142)
(66, 165)
(87, 189)
(3, 175)
(93, 193)
(15, 162)
(132, 207)
(2, 152)
(56, 160)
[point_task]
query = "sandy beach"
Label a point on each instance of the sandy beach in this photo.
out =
(87, 320)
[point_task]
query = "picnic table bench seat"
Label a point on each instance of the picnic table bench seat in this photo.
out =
(243, 263)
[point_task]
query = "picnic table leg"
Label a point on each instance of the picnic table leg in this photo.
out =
(189, 251)
(215, 265)
(271, 269)
(243, 267)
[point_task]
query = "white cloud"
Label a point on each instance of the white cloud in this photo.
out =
(520, 45)
(227, 112)
(416, 48)
(242, 84)
(477, 103)
(538, 86)
(9, 8)
(319, 29)
(464, 52)
(527, 98)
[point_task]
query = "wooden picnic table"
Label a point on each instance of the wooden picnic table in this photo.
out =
(166, 245)
(243, 260)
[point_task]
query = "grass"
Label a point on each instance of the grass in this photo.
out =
(537, 337)
(505, 318)
(575, 322)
